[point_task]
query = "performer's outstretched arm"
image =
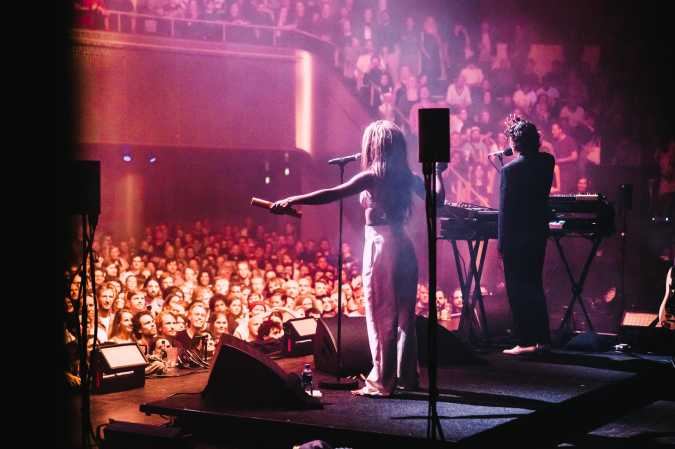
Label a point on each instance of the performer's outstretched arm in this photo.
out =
(359, 182)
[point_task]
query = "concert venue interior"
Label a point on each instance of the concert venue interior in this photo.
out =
(211, 322)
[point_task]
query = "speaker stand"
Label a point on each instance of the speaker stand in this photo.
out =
(339, 383)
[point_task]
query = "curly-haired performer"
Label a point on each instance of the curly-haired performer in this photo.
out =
(523, 230)
(389, 262)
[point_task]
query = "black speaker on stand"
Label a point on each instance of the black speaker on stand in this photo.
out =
(434, 155)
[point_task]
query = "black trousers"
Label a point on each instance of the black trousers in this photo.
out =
(523, 267)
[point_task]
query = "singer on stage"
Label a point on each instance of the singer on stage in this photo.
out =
(389, 268)
(523, 230)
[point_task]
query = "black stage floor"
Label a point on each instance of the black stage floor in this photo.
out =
(585, 400)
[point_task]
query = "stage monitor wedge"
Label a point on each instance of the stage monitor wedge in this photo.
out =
(299, 336)
(243, 377)
(117, 367)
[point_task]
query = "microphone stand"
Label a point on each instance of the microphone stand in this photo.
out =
(500, 156)
(434, 429)
(339, 383)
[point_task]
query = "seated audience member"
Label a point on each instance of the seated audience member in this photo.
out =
(136, 301)
(106, 297)
(422, 305)
(256, 307)
(329, 307)
(458, 95)
(235, 312)
(443, 306)
(248, 329)
(153, 298)
(166, 325)
(145, 331)
(217, 304)
(457, 302)
(196, 322)
(270, 330)
(180, 322)
(218, 326)
(122, 330)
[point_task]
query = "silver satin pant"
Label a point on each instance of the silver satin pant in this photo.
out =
(389, 291)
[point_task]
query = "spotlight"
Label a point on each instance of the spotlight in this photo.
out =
(152, 159)
(127, 157)
(267, 179)
(287, 171)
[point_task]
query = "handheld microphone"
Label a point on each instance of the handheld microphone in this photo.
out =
(344, 160)
(268, 205)
(508, 151)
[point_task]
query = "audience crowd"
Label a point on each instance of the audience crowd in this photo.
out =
(185, 288)
(399, 64)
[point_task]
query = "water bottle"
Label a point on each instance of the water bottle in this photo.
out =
(307, 378)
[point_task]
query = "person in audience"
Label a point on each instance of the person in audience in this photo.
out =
(248, 329)
(196, 326)
(166, 325)
(459, 94)
(136, 301)
(567, 158)
(218, 326)
(145, 331)
(106, 297)
(409, 47)
(235, 312)
(122, 330)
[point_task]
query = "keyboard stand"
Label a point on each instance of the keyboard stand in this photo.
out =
(471, 325)
(577, 286)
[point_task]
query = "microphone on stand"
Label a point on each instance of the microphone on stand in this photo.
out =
(508, 151)
(344, 160)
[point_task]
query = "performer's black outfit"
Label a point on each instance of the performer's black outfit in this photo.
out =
(523, 230)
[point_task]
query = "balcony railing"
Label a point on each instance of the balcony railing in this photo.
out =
(205, 30)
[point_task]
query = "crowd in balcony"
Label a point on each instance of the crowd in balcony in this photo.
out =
(397, 64)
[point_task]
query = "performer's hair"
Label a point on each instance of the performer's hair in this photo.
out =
(384, 153)
(524, 134)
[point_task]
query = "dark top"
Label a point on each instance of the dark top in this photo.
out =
(182, 340)
(523, 201)
(569, 171)
(565, 147)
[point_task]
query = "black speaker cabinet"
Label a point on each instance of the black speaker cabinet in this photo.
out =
(242, 377)
(434, 132)
(355, 350)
